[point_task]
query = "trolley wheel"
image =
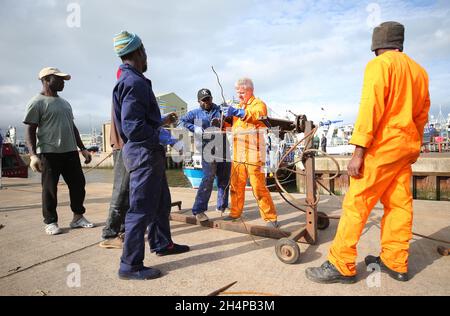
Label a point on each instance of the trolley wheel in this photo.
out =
(287, 250)
(322, 221)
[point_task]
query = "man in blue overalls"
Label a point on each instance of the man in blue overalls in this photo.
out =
(214, 157)
(138, 120)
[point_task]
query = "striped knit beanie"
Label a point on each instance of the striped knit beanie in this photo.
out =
(126, 42)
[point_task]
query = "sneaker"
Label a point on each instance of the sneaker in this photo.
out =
(403, 277)
(82, 222)
(53, 229)
(327, 273)
(202, 217)
(272, 224)
(173, 250)
(226, 210)
(146, 273)
(230, 219)
(113, 243)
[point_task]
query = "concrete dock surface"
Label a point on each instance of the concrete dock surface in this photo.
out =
(33, 263)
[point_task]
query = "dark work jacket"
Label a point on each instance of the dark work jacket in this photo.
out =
(137, 116)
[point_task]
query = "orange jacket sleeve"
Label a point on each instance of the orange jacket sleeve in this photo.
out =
(375, 90)
(422, 118)
(254, 112)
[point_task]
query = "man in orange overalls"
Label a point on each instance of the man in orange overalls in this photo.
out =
(249, 154)
(388, 135)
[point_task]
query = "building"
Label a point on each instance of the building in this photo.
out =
(170, 102)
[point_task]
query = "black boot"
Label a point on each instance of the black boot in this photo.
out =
(403, 277)
(327, 273)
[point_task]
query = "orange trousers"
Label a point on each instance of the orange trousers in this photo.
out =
(391, 184)
(239, 175)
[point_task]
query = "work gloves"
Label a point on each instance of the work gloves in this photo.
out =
(35, 164)
(232, 111)
(87, 156)
(165, 138)
(198, 130)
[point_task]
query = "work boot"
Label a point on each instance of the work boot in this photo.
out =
(230, 219)
(173, 250)
(113, 243)
(202, 217)
(403, 277)
(327, 273)
(272, 224)
(146, 273)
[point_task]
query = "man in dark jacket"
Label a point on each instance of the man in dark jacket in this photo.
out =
(138, 119)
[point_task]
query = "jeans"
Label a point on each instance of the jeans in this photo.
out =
(210, 171)
(120, 203)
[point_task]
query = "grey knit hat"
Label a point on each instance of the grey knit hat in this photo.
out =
(388, 35)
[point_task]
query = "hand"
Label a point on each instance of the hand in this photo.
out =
(215, 122)
(165, 138)
(232, 111)
(169, 118)
(179, 147)
(354, 167)
(87, 156)
(35, 164)
(198, 130)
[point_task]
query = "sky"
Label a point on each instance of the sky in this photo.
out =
(304, 56)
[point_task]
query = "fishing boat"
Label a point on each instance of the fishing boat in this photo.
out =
(13, 165)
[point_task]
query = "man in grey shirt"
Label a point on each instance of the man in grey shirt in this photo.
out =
(49, 118)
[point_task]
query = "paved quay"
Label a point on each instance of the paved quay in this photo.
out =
(32, 263)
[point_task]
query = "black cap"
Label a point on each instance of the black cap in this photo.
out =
(203, 93)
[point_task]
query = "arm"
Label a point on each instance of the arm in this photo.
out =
(371, 110)
(187, 121)
(86, 154)
(133, 113)
(35, 161)
(421, 119)
(253, 113)
(78, 138)
(30, 137)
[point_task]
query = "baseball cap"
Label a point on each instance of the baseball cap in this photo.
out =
(53, 71)
(203, 93)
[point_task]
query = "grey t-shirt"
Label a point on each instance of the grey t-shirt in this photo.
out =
(54, 118)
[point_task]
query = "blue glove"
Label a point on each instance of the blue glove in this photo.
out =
(165, 138)
(232, 111)
(179, 146)
(198, 130)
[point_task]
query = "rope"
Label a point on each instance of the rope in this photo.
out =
(98, 164)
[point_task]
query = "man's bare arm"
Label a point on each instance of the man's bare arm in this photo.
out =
(78, 138)
(30, 137)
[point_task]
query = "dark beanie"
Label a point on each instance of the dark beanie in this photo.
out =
(388, 35)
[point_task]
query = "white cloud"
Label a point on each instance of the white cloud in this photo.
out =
(302, 55)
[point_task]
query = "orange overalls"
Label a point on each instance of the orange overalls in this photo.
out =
(393, 112)
(248, 160)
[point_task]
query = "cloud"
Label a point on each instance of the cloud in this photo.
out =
(302, 55)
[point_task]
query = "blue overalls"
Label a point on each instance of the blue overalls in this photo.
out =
(220, 166)
(137, 117)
